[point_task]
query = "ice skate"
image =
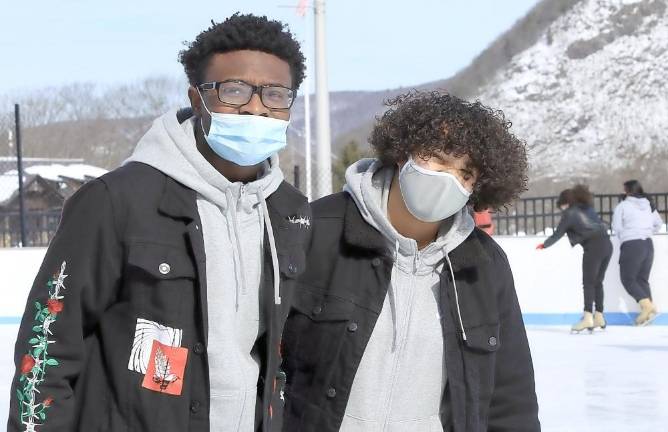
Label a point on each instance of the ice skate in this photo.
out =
(586, 323)
(599, 321)
(647, 313)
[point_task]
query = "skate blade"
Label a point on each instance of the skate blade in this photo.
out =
(589, 330)
(649, 320)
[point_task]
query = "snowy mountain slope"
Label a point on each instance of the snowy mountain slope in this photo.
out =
(590, 97)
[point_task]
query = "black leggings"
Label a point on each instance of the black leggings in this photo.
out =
(595, 260)
(635, 264)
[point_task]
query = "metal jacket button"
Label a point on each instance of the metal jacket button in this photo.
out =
(317, 310)
(292, 268)
(195, 406)
(375, 262)
(198, 348)
(331, 392)
(492, 341)
(164, 268)
(352, 327)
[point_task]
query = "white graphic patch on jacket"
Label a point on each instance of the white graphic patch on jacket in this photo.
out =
(302, 221)
(145, 333)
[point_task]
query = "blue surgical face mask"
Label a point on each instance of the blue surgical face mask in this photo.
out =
(245, 140)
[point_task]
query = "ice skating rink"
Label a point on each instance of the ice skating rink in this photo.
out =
(614, 380)
(610, 381)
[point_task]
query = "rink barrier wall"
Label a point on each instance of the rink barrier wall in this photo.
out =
(548, 282)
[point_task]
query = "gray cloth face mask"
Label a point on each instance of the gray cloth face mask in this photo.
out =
(431, 196)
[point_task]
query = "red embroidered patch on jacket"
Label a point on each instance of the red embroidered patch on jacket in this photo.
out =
(166, 368)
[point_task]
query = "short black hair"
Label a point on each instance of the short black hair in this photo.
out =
(634, 188)
(424, 123)
(243, 32)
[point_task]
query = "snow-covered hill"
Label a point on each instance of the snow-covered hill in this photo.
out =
(591, 96)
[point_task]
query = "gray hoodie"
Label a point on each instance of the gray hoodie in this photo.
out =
(229, 212)
(402, 376)
(634, 219)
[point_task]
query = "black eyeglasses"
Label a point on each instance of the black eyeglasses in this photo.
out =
(238, 93)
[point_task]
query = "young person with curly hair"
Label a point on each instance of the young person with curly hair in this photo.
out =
(583, 226)
(174, 273)
(406, 318)
(634, 222)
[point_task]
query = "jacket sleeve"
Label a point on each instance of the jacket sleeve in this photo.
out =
(656, 222)
(617, 220)
(75, 284)
(514, 406)
(564, 225)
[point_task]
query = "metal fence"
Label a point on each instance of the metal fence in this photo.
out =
(530, 216)
(40, 227)
(535, 216)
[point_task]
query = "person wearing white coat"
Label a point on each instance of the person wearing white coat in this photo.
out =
(634, 221)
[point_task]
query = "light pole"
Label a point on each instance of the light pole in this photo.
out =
(323, 135)
(19, 166)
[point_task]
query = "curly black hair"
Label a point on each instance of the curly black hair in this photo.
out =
(566, 197)
(577, 195)
(423, 123)
(582, 195)
(243, 32)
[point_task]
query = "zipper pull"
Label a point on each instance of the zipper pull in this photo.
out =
(242, 202)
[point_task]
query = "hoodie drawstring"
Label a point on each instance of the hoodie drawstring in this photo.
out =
(272, 247)
(401, 328)
(233, 231)
(393, 296)
(454, 283)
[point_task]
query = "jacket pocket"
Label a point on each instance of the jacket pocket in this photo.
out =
(291, 262)
(484, 338)
(480, 357)
(161, 281)
(319, 307)
(295, 231)
(161, 261)
(312, 337)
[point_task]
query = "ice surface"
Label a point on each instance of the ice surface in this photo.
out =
(610, 381)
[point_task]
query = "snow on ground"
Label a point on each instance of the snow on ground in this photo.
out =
(610, 381)
(56, 172)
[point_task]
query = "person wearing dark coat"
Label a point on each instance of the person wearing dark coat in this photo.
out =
(583, 226)
(161, 300)
(406, 318)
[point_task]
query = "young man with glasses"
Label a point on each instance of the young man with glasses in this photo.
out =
(161, 300)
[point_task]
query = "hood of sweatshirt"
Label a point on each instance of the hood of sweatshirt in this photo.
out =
(640, 203)
(368, 182)
(170, 147)
(635, 219)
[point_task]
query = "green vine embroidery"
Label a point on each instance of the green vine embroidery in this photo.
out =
(36, 361)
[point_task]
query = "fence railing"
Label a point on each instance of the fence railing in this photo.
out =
(529, 216)
(537, 216)
(40, 227)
